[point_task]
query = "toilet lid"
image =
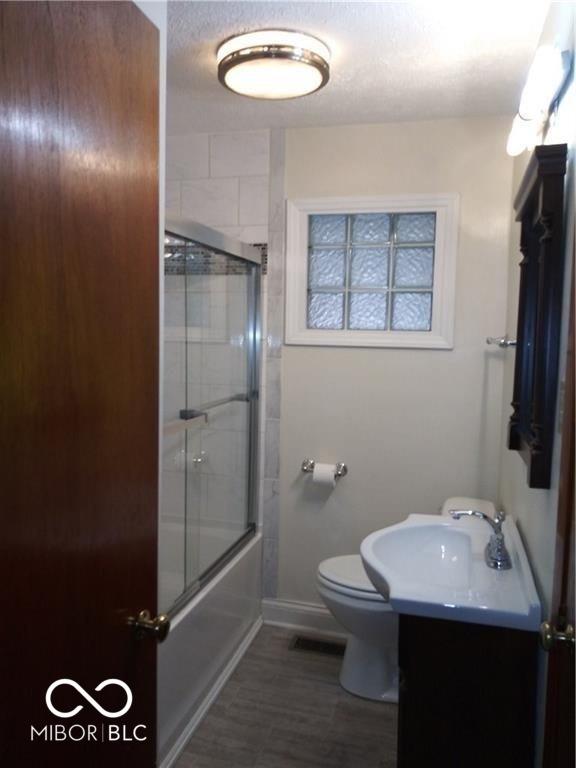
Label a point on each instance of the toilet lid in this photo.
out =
(347, 571)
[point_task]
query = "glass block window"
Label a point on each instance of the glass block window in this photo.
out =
(371, 271)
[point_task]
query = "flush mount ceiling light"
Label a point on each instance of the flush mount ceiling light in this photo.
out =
(273, 64)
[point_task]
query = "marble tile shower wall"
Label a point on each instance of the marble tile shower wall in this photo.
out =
(221, 180)
(234, 182)
(273, 334)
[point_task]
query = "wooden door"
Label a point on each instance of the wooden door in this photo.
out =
(78, 379)
(559, 734)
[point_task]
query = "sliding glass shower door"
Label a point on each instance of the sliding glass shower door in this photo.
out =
(210, 401)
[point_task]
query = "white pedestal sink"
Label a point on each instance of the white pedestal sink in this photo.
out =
(434, 566)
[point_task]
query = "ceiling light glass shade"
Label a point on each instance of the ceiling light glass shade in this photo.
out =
(273, 64)
(544, 79)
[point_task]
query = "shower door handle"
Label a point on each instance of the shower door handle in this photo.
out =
(146, 626)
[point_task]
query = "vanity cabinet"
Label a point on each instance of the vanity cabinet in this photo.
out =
(467, 695)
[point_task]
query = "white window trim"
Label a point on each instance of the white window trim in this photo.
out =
(441, 335)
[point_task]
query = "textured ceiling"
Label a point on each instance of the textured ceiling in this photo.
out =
(390, 61)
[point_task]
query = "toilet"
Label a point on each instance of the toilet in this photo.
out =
(370, 665)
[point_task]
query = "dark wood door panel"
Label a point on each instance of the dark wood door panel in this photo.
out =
(559, 745)
(78, 367)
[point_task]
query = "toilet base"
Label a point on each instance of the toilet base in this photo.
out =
(366, 671)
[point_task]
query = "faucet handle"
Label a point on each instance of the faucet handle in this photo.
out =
(495, 554)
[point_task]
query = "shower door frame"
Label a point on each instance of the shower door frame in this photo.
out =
(228, 246)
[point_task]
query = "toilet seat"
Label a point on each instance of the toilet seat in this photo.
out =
(346, 575)
(370, 665)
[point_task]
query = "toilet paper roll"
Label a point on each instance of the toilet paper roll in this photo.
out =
(324, 474)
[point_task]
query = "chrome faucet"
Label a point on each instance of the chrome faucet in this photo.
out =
(495, 554)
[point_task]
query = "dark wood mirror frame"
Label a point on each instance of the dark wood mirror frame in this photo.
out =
(539, 206)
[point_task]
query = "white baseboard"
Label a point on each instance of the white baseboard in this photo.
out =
(303, 616)
(177, 748)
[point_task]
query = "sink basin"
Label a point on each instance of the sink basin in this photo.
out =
(434, 566)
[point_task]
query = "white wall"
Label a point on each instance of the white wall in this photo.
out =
(536, 510)
(414, 426)
(221, 180)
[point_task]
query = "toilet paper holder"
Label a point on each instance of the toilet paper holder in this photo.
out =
(341, 468)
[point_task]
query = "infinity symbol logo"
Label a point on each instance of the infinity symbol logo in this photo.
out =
(82, 692)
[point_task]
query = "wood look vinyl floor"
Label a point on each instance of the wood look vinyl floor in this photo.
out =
(284, 708)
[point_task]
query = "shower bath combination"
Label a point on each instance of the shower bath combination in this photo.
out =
(210, 406)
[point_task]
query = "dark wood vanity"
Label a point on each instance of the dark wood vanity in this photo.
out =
(467, 695)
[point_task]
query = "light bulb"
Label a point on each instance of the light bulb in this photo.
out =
(522, 135)
(544, 79)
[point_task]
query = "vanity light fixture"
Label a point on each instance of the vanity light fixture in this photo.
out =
(545, 76)
(545, 80)
(523, 135)
(273, 64)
